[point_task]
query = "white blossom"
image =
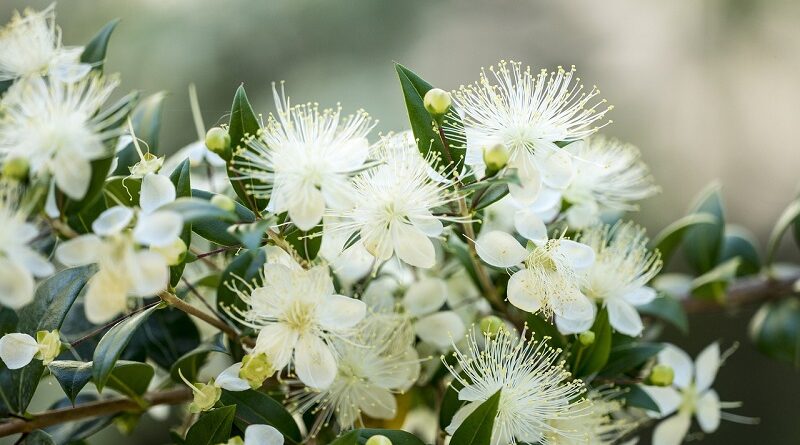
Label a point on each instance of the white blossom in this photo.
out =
(602, 421)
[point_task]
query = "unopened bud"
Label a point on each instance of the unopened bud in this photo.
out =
(219, 141)
(16, 168)
(378, 440)
(255, 369)
(49, 345)
(491, 325)
(173, 253)
(437, 101)
(223, 202)
(586, 338)
(495, 157)
(661, 375)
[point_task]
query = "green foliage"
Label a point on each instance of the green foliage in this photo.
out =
(146, 122)
(189, 363)
(775, 330)
(626, 357)
(450, 403)
(112, 344)
(789, 218)
(216, 230)
(254, 407)
(245, 268)
(544, 331)
(671, 237)
(243, 125)
(306, 244)
(94, 52)
(181, 179)
(477, 427)
(587, 360)
(714, 283)
(703, 242)
(668, 309)
(740, 243)
(636, 397)
(360, 437)
(212, 427)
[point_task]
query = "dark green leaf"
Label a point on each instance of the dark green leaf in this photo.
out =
(250, 235)
(72, 376)
(245, 268)
(477, 427)
(668, 309)
(94, 52)
(488, 195)
(360, 437)
(450, 403)
(215, 230)
(112, 344)
(306, 244)
(167, 335)
(146, 121)
(714, 283)
(594, 357)
(789, 217)
(181, 178)
(636, 397)
(703, 243)
(189, 364)
(740, 243)
(98, 177)
(212, 428)
(254, 407)
(243, 125)
(194, 210)
(670, 237)
(775, 330)
(38, 437)
(130, 379)
(626, 357)
(542, 330)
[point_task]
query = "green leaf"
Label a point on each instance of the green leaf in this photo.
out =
(130, 379)
(123, 190)
(38, 437)
(636, 397)
(624, 358)
(72, 376)
(595, 356)
(94, 52)
(246, 266)
(488, 196)
(543, 331)
(189, 364)
(703, 243)
(790, 216)
(194, 210)
(670, 237)
(51, 302)
(254, 407)
(251, 235)
(714, 283)
(167, 335)
(450, 403)
(146, 121)
(113, 342)
(181, 178)
(243, 124)
(740, 243)
(73, 432)
(217, 230)
(360, 437)
(306, 244)
(775, 330)
(212, 428)
(668, 309)
(477, 427)
(422, 123)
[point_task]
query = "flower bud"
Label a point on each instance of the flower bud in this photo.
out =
(378, 440)
(255, 369)
(49, 345)
(491, 325)
(437, 101)
(661, 375)
(16, 168)
(495, 157)
(205, 396)
(173, 253)
(586, 338)
(219, 141)
(223, 202)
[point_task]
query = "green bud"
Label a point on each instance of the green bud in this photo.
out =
(495, 157)
(205, 396)
(223, 202)
(255, 369)
(491, 325)
(219, 141)
(437, 101)
(49, 345)
(16, 169)
(661, 375)
(586, 338)
(378, 440)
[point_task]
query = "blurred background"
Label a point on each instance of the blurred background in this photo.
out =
(707, 89)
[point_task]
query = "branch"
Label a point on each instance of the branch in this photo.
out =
(93, 409)
(744, 292)
(179, 304)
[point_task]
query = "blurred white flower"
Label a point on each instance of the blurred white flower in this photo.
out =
(30, 44)
(528, 114)
(305, 156)
(537, 396)
(690, 394)
(298, 315)
(18, 349)
(19, 263)
(602, 421)
(262, 435)
(619, 276)
(58, 128)
(424, 300)
(124, 267)
(609, 176)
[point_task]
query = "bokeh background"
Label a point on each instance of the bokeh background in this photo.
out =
(708, 89)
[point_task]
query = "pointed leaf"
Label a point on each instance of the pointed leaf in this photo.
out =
(243, 124)
(703, 243)
(213, 427)
(112, 344)
(254, 407)
(670, 237)
(477, 427)
(94, 52)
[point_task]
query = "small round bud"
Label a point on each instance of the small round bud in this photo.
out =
(586, 338)
(49, 345)
(255, 369)
(661, 375)
(437, 101)
(205, 397)
(495, 157)
(491, 325)
(223, 202)
(16, 168)
(219, 141)
(378, 440)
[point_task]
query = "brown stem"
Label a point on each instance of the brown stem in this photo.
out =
(93, 409)
(745, 292)
(179, 304)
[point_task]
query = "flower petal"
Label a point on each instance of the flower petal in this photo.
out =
(623, 317)
(672, 431)
(667, 399)
(580, 255)
(706, 366)
(262, 435)
(412, 245)
(72, 174)
(17, 350)
(79, 251)
(229, 379)
(306, 208)
(708, 411)
(156, 191)
(112, 221)
(32, 260)
(680, 362)
(378, 403)
(554, 164)
(441, 329)
(158, 229)
(338, 312)
(149, 274)
(425, 296)
(105, 298)
(640, 296)
(277, 341)
(500, 249)
(521, 291)
(428, 224)
(314, 362)
(568, 326)
(16, 284)
(530, 225)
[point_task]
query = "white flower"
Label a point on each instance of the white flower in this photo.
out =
(124, 267)
(374, 364)
(31, 45)
(618, 278)
(18, 349)
(262, 435)
(536, 394)
(602, 422)
(305, 156)
(549, 279)
(58, 129)
(609, 176)
(690, 394)
(393, 203)
(528, 114)
(298, 314)
(19, 263)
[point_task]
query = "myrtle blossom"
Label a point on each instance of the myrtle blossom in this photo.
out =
(393, 204)
(18, 349)
(58, 128)
(602, 420)
(20, 264)
(133, 258)
(376, 362)
(31, 45)
(609, 176)
(298, 314)
(690, 394)
(304, 158)
(528, 114)
(537, 398)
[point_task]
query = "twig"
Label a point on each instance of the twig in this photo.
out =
(179, 304)
(744, 292)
